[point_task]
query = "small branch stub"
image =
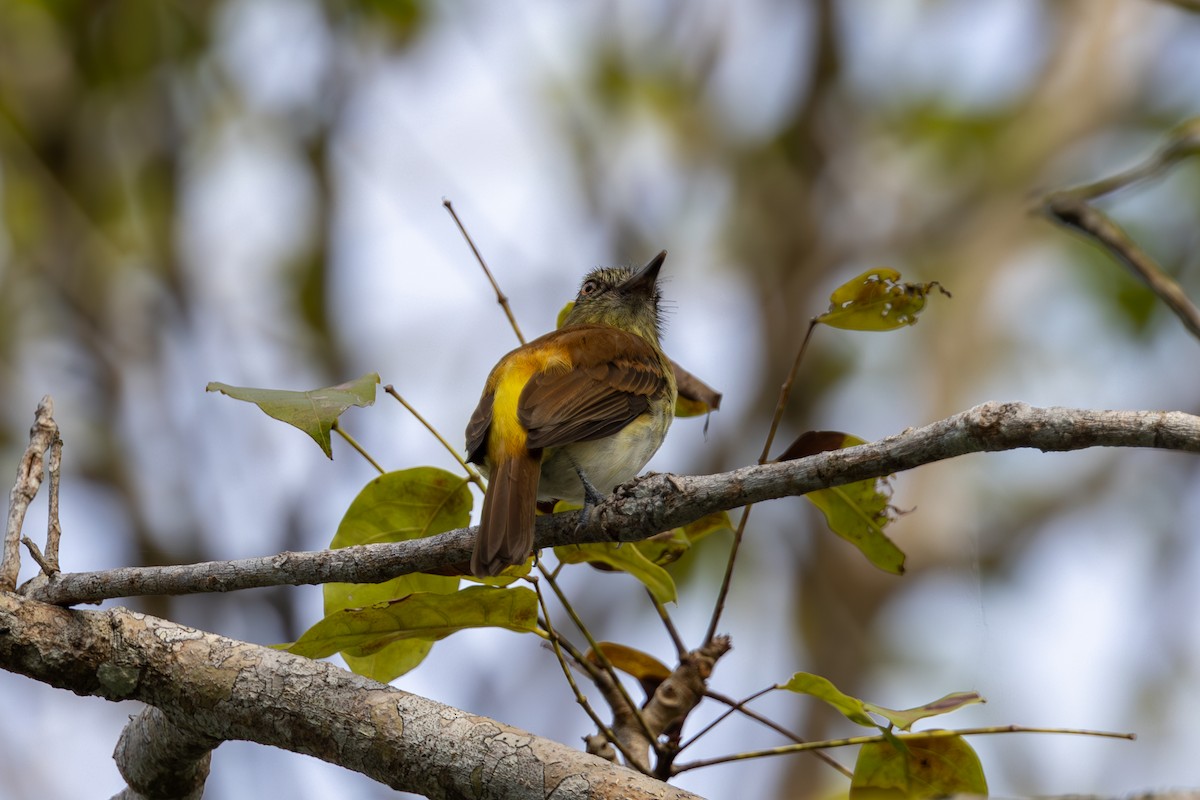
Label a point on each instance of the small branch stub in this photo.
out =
(42, 437)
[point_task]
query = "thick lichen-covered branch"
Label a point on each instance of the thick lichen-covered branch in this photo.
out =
(214, 689)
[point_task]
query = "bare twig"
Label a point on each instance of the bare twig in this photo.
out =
(733, 707)
(672, 631)
(657, 503)
(36, 554)
(1072, 212)
(784, 392)
(1071, 209)
(501, 298)
(29, 477)
(53, 527)
(556, 643)
(740, 707)
(853, 740)
(614, 691)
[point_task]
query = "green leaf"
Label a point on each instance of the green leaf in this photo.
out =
(406, 504)
(858, 512)
(423, 617)
(851, 708)
(905, 719)
(669, 546)
(313, 412)
(877, 301)
(624, 558)
(398, 506)
(933, 766)
(859, 711)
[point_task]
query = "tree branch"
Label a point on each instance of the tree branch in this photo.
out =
(1071, 211)
(42, 437)
(209, 689)
(657, 503)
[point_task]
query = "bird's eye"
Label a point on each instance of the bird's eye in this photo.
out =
(589, 287)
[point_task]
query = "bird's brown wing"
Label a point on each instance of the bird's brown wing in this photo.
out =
(477, 429)
(613, 377)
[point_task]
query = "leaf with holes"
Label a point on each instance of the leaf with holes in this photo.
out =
(877, 301)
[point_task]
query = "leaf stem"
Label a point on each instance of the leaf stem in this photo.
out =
(472, 473)
(350, 440)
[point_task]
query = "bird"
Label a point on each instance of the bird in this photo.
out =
(581, 407)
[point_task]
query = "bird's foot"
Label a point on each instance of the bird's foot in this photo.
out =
(592, 497)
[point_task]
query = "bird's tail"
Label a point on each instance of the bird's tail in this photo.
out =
(506, 526)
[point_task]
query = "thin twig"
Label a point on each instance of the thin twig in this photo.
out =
(472, 473)
(37, 556)
(501, 298)
(350, 440)
(853, 740)
(1183, 141)
(734, 706)
(681, 650)
(555, 644)
(784, 392)
(611, 671)
(1070, 211)
(53, 526)
(740, 707)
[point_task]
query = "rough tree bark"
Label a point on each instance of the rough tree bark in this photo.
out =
(204, 689)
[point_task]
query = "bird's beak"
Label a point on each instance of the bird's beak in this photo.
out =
(645, 278)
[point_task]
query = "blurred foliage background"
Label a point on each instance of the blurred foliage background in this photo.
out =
(249, 191)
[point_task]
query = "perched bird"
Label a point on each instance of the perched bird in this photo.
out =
(582, 407)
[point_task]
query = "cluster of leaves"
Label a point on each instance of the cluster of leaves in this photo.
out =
(384, 630)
